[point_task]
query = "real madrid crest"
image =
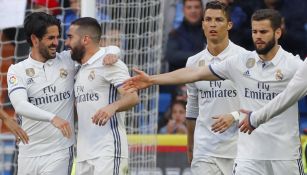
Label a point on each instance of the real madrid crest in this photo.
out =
(250, 62)
(63, 73)
(30, 72)
(201, 63)
(91, 76)
(278, 75)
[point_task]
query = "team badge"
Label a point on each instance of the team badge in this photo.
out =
(30, 72)
(250, 63)
(91, 76)
(63, 73)
(201, 63)
(13, 80)
(278, 75)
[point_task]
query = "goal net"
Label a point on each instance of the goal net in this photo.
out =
(133, 25)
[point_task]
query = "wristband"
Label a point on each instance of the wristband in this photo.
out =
(236, 115)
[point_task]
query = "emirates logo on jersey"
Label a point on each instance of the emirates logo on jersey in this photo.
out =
(63, 73)
(91, 76)
(30, 72)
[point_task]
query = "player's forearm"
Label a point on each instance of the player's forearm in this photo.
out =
(3, 115)
(183, 76)
(127, 101)
(26, 109)
(190, 146)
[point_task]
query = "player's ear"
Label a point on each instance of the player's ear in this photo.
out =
(86, 39)
(278, 33)
(34, 40)
(230, 24)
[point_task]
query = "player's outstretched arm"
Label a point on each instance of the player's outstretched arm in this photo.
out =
(12, 125)
(126, 101)
(180, 76)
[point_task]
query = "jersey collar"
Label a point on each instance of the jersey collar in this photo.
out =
(276, 59)
(96, 56)
(39, 64)
(223, 55)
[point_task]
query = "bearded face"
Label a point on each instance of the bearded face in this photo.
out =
(266, 46)
(77, 52)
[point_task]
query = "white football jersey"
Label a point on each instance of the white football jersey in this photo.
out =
(257, 83)
(210, 98)
(295, 90)
(49, 86)
(95, 87)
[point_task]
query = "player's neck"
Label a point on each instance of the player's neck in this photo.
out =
(90, 51)
(35, 55)
(270, 55)
(216, 48)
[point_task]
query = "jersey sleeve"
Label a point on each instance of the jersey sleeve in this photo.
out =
(19, 98)
(224, 68)
(117, 73)
(14, 79)
(296, 89)
(192, 109)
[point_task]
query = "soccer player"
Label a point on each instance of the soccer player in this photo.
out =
(12, 125)
(102, 146)
(274, 147)
(213, 153)
(41, 90)
(296, 89)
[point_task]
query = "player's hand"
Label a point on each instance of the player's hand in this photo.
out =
(222, 122)
(19, 133)
(110, 59)
(63, 125)
(102, 116)
(140, 81)
(244, 125)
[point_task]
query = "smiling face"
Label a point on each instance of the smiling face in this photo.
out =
(48, 44)
(216, 25)
(264, 37)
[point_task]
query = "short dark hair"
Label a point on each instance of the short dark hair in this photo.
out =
(184, 2)
(268, 14)
(217, 5)
(37, 23)
(90, 26)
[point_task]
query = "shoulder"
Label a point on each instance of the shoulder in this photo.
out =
(194, 60)
(292, 60)
(64, 54)
(18, 67)
(120, 65)
(65, 57)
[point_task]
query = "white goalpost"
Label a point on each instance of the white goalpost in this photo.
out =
(133, 25)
